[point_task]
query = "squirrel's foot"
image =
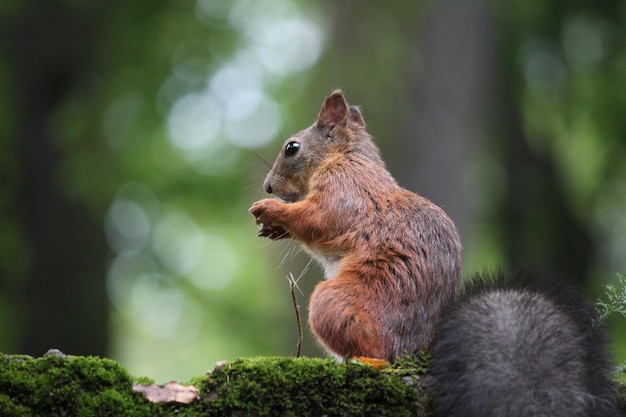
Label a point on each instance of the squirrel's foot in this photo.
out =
(373, 362)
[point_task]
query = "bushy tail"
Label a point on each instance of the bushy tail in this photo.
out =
(522, 344)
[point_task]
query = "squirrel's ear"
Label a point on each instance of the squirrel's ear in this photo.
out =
(356, 116)
(334, 110)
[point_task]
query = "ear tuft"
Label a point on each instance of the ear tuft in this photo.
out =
(334, 111)
(356, 116)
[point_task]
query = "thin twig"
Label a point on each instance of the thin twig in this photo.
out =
(293, 284)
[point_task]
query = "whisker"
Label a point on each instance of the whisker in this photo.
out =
(266, 244)
(263, 160)
(256, 184)
(290, 253)
(286, 253)
(280, 134)
(250, 162)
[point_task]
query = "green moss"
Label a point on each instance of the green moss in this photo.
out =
(56, 384)
(306, 386)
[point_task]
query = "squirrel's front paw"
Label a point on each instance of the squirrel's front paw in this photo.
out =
(262, 212)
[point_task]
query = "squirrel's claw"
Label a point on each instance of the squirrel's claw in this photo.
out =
(273, 232)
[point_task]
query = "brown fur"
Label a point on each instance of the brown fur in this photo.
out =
(392, 258)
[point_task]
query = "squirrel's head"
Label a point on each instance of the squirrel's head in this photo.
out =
(334, 134)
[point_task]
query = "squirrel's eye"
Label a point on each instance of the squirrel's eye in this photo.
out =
(291, 149)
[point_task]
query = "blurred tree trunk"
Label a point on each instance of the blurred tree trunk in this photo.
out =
(63, 294)
(539, 226)
(449, 95)
(469, 78)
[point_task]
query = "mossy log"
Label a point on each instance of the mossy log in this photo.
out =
(63, 385)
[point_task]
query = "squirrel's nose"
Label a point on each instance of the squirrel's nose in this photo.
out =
(268, 188)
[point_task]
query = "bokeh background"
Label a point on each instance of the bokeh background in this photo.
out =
(135, 135)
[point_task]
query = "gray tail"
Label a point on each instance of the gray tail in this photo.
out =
(522, 344)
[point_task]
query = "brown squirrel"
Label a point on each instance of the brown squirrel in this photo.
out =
(392, 259)
(515, 344)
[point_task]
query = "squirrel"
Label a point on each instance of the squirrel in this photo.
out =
(392, 263)
(391, 258)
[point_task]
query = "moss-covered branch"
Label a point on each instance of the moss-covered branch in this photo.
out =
(56, 384)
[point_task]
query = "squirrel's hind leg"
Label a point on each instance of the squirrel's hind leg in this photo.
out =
(341, 324)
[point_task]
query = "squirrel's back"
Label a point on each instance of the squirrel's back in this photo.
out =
(522, 345)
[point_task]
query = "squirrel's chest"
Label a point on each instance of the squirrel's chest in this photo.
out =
(329, 261)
